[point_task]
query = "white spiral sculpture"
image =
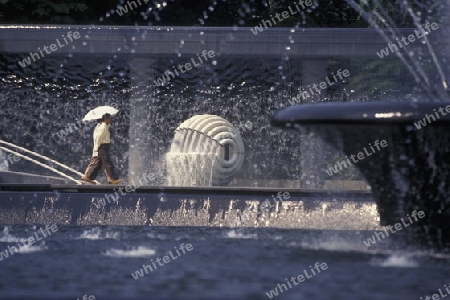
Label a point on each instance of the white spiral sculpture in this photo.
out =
(206, 151)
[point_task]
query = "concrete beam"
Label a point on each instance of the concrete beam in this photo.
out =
(168, 41)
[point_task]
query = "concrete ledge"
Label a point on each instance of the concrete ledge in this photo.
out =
(335, 185)
(346, 185)
(181, 190)
(8, 177)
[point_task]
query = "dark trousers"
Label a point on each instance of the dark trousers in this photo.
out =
(101, 162)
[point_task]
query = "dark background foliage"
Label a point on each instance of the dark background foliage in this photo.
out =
(323, 13)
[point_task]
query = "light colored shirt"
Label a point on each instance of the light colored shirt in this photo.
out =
(101, 136)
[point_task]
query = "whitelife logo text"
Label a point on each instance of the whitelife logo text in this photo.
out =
(431, 118)
(398, 226)
(419, 34)
(165, 260)
(168, 74)
(300, 278)
(37, 236)
(310, 91)
(49, 49)
(356, 158)
(301, 5)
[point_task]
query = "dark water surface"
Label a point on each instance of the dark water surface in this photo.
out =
(225, 263)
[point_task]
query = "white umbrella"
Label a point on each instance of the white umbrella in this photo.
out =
(98, 112)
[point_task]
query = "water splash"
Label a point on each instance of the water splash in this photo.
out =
(7, 237)
(395, 261)
(97, 234)
(140, 251)
(380, 19)
(31, 249)
(234, 234)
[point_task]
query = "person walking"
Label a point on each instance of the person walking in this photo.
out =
(101, 158)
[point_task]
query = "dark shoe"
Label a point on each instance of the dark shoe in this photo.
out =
(115, 181)
(84, 178)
